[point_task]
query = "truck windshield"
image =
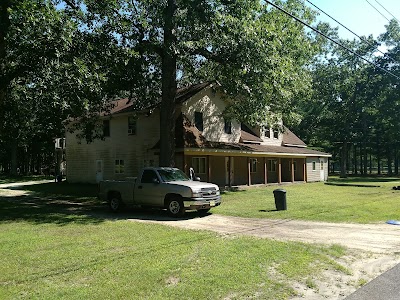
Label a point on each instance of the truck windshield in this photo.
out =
(172, 175)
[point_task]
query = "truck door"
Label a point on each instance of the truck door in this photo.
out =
(147, 192)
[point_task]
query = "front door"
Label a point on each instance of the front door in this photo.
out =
(99, 170)
(322, 169)
(227, 171)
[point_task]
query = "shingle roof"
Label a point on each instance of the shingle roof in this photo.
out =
(188, 136)
(289, 138)
(246, 134)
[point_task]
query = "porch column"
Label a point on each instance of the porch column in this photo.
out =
(292, 162)
(305, 170)
(209, 168)
(185, 169)
(230, 170)
(279, 170)
(265, 171)
(248, 172)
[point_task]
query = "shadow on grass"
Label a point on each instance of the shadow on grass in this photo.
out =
(61, 188)
(57, 210)
(371, 179)
(21, 178)
(64, 203)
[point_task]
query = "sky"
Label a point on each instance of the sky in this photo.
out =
(358, 15)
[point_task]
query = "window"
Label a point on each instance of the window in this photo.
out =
(322, 165)
(106, 128)
(253, 165)
(199, 165)
(168, 175)
(132, 125)
(119, 166)
(228, 127)
(272, 165)
(267, 131)
(276, 133)
(148, 176)
(198, 120)
(148, 163)
(314, 166)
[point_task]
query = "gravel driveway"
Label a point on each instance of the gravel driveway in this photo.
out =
(378, 238)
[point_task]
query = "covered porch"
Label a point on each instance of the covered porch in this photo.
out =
(233, 170)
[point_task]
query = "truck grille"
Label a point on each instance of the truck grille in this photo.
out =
(208, 192)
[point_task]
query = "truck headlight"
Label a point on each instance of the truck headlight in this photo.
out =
(197, 194)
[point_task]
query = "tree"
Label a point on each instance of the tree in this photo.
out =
(258, 54)
(48, 74)
(336, 117)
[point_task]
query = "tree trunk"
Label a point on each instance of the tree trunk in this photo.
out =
(390, 162)
(396, 161)
(365, 157)
(343, 163)
(169, 64)
(14, 158)
(370, 163)
(4, 26)
(355, 159)
(378, 158)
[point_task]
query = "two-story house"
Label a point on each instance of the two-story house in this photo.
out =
(224, 152)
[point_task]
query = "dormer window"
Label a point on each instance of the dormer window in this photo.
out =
(267, 131)
(276, 133)
(198, 120)
(228, 127)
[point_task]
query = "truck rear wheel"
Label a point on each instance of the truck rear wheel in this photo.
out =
(115, 202)
(175, 208)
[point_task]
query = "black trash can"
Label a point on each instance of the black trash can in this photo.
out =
(280, 199)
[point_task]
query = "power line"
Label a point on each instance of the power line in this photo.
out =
(329, 38)
(388, 11)
(361, 38)
(378, 11)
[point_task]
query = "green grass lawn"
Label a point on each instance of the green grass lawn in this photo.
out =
(319, 202)
(59, 242)
(128, 260)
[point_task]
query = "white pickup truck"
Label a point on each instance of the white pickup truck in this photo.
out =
(168, 188)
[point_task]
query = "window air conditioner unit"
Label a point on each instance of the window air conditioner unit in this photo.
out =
(60, 143)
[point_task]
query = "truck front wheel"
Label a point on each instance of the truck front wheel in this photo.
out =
(175, 208)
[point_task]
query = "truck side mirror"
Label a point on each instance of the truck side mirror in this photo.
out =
(155, 181)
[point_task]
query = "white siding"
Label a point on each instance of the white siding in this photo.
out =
(315, 175)
(271, 141)
(133, 149)
(212, 105)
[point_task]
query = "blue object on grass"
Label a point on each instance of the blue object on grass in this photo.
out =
(393, 222)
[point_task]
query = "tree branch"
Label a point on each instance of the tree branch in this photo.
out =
(71, 4)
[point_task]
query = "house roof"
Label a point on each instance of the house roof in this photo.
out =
(189, 137)
(186, 93)
(127, 105)
(290, 139)
(247, 135)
